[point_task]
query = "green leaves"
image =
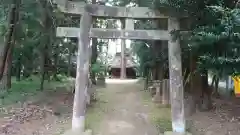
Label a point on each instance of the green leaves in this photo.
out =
(218, 40)
(98, 68)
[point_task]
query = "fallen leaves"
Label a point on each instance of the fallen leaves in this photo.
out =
(26, 113)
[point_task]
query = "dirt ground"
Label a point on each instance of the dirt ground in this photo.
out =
(51, 113)
(119, 110)
(223, 119)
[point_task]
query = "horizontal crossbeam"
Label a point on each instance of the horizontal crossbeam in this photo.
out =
(108, 11)
(116, 34)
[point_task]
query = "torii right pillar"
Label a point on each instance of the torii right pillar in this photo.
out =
(176, 81)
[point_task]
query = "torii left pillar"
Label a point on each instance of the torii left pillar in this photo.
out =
(82, 71)
(81, 87)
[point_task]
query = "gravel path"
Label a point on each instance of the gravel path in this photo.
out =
(128, 115)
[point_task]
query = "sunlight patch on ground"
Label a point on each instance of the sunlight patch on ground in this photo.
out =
(119, 126)
(121, 81)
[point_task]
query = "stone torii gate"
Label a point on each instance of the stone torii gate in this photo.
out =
(129, 13)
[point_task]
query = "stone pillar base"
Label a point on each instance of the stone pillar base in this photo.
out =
(157, 99)
(152, 91)
(76, 132)
(174, 133)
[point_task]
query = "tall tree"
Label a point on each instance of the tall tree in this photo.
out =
(94, 46)
(6, 61)
(13, 42)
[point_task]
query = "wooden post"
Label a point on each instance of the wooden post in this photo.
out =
(157, 96)
(165, 92)
(176, 80)
(79, 104)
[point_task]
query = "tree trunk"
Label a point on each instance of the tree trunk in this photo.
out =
(18, 68)
(153, 73)
(199, 88)
(9, 68)
(216, 92)
(213, 80)
(8, 43)
(159, 48)
(54, 68)
(160, 67)
(94, 48)
(159, 70)
(3, 81)
(146, 76)
(70, 60)
(43, 73)
(45, 40)
(94, 54)
(195, 84)
(13, 42)
(43, 67)
(106, 59)
(206, 93)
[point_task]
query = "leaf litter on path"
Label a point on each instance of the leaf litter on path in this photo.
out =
(38, 117)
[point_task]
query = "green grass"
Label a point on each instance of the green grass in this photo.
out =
(160, 116)
(96, 112)
(24, 89)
